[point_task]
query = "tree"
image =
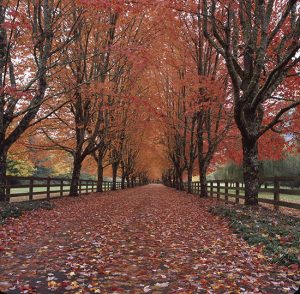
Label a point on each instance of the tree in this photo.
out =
(211, 106)
(38, 27)
(259, 41)
(76, 127)
(197, 106)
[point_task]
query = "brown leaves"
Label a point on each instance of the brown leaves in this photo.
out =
(144, 240)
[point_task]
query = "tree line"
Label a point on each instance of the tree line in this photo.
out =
(136, 85)
(67, 72)
(235, 92)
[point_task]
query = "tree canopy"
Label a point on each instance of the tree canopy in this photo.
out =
(144, 89)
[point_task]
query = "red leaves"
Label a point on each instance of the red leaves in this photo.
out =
(143, 240)
(9, 25)
(294, 267)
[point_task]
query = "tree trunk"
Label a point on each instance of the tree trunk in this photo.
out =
(123, 182)
(75, 182)
(128, 181)
(203, 181)
(100, 174)
(115, 166)
(190, 180)
(176, 186)
(3, 167)
(181, 185)
(178, 179)
(174, 180)
(251, 171)
(123, 177)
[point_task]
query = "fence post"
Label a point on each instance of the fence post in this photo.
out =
(226, 192)
(61, 188)
(79, 187)
(93, 186)
(48, 187)
(237, 192)
(212, 189)
(7, 193)
(87, 186)
(218, 190)
(31, 189)
(276, 193)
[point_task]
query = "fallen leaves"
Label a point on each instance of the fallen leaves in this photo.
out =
(145, 240)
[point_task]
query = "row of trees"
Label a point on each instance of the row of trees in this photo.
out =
(68, 72)
(145, 85)
(231, 88)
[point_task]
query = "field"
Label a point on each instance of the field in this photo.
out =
(55, 192)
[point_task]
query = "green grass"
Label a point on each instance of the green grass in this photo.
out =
(278, 234)
(44, 189)
(265, 195)
(15, 191)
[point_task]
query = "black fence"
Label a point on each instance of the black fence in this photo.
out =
(35, 188)
(277, 191)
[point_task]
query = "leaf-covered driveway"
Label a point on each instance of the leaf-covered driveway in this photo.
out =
(150, 239)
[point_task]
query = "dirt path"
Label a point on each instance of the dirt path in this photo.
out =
(145, 240)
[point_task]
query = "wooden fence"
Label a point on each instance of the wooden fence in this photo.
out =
(35, 188)
(277, 191)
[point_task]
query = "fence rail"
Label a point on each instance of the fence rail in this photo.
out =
(36, 188)
(277, 191)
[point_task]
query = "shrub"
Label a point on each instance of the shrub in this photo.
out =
(15, 210)
(278, 234)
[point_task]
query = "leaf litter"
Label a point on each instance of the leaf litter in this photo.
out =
(150, 239)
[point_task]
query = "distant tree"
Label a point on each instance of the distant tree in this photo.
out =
(18, 167)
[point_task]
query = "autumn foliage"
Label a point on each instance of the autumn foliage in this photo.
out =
(137, 89)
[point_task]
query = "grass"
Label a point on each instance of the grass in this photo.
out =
(265, 195)
(55, 191)
(44, 189)
(278, 234)
(14, 210)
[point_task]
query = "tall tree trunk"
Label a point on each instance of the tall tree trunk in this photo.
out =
(174, 179)
(100, 173)
(123, 182)
(190, 180)
(251, 171)
(128, 181)
(3, 167)
(180, 182)
(201, 157)
(176, 183)
(115, 166)
(75, 182)
(203, 180)
(123, 177)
